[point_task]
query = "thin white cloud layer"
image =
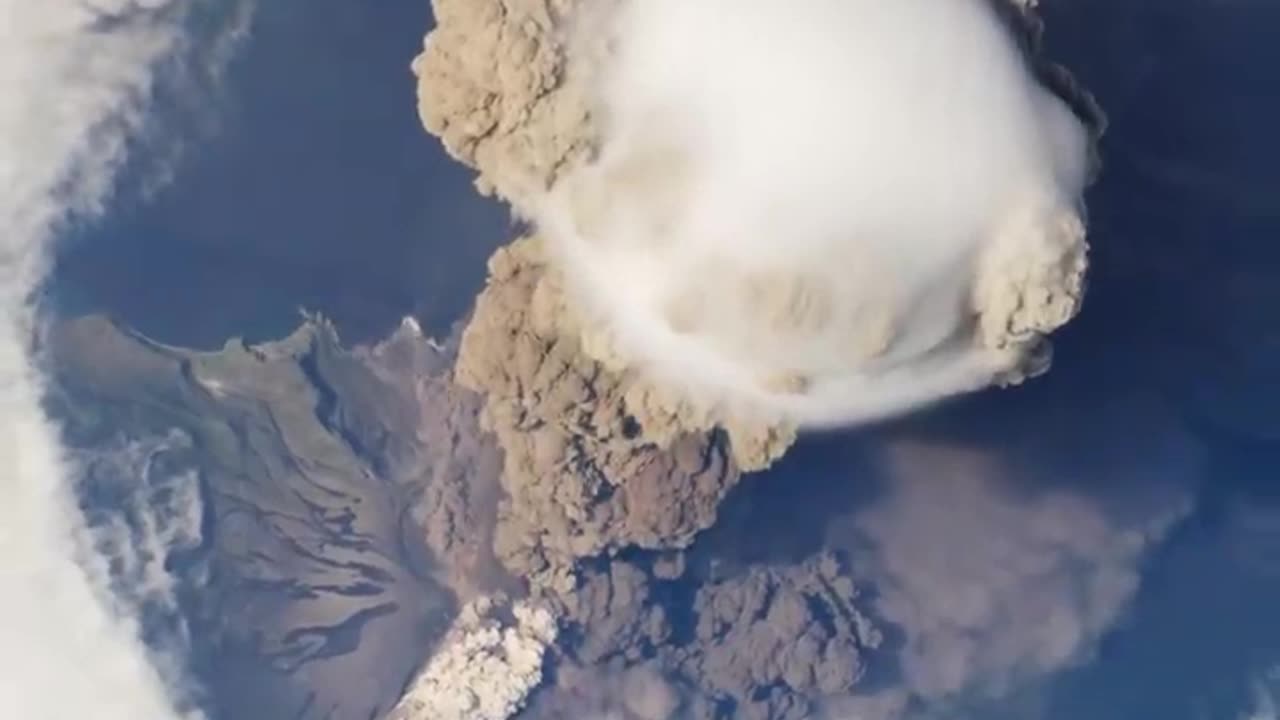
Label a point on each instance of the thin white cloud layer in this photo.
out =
(156, 513)
(1266, 697)
(75, 76)
(819, 211)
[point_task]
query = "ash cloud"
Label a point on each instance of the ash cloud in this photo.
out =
(881, 210)
(581, 475)
(995, 568)
(728, 244)
(577, 415)
(757, 642)
(487, 667)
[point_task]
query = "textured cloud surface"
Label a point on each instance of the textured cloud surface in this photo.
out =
(736, 233)
(144, 516)
(879, 210)
(75, 75)
(498, 84)
(487, 667)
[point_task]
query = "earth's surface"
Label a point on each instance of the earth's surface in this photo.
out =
(307, 582)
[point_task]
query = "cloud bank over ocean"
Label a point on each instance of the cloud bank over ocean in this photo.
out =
(78, 76)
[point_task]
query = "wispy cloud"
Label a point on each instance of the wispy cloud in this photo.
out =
(1266, 697)
(147, 522)
(76, 77)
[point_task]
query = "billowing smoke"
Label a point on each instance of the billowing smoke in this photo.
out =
(818, 212)
(997, 569)
(76, 75)
(749, 216)
(487, 667)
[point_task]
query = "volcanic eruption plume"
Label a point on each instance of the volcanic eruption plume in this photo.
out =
(745, 217)
(817, 212)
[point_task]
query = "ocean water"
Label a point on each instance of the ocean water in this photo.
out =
(304, 180)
